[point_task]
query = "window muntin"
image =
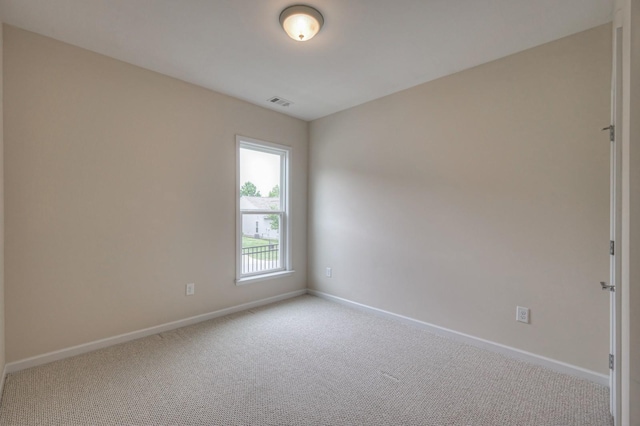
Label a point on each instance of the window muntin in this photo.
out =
(263, 216)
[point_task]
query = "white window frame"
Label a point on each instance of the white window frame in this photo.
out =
(285, 216)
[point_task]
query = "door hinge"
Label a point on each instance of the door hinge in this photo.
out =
(612, 248)
(604, 286)
(612, 132)
(610, 361)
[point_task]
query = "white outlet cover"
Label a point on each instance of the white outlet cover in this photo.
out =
(522, 314)
(190, 289)
(328, 272)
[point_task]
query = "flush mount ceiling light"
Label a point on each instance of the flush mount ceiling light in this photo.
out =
(301, 22)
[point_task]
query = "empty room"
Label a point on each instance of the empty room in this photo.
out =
(362, 212)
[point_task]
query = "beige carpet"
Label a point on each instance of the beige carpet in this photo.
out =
(305, 361)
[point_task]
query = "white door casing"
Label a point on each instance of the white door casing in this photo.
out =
(615, 266)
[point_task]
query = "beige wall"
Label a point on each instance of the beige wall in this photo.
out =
(120, 189)
(456, 200)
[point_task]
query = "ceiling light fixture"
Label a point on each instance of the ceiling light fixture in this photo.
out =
(301, 22)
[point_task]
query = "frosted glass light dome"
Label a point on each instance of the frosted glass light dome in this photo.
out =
(300, 22)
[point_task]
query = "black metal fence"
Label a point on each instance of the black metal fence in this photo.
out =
(260, 258)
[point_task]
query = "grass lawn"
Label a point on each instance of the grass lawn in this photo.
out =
(256, 242)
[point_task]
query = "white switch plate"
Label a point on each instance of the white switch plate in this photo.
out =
(328, 272)
(522, 314)
(190, 289)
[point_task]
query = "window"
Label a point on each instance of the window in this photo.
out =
(263, 210)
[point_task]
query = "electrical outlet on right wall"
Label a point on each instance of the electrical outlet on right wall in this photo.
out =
(190, 289)
(522, 314)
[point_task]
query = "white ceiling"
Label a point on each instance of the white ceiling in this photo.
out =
(367, 48)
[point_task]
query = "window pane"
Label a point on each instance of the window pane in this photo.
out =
(263, 218)
(261, 242)
(259, 180)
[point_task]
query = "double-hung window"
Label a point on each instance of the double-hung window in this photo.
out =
(263, 236)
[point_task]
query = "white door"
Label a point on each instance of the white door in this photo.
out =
(615, 219)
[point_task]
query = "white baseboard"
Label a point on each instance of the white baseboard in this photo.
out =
(12, 367)
(509, 351)
(2, 380)
(552, 364)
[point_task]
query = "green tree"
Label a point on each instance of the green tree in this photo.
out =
(275, 221)
(274, 218)
(249, 190)
(275, 192)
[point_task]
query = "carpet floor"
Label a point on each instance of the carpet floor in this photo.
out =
(304, 361)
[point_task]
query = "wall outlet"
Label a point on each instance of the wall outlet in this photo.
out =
(522, 314)
(328, 272)
(190, 289)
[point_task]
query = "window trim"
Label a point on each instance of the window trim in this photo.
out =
(284, 152)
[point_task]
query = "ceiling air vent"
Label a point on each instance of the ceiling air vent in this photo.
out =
(279, 101)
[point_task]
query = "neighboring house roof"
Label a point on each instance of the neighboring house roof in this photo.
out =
(259, 203)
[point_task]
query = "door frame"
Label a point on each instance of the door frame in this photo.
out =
(615, 261)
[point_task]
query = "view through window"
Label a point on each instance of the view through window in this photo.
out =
(262, 221)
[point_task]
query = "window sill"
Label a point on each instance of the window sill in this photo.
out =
(263, 277)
